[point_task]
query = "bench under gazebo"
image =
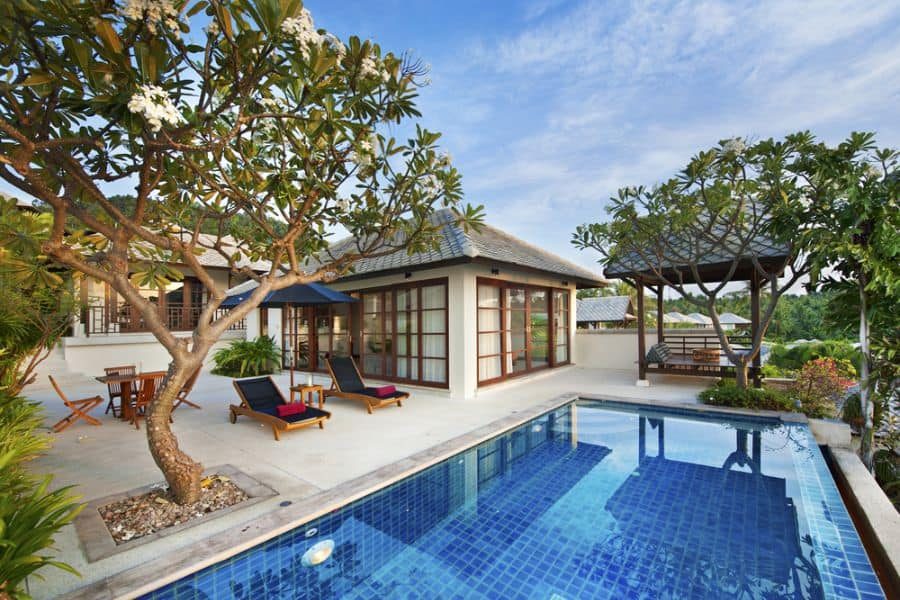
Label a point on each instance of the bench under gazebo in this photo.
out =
(697, 354)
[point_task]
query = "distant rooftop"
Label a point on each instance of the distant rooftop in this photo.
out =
(489, 245)
(606, 309)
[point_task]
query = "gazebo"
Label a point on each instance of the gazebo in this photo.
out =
(760, 258)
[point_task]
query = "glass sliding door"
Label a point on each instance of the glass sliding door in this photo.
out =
(561, 324)
(490, 350)
(521, 328)
(515, 329)
(404, 333)
(539, 328)
(434, 333)
(408, 333)
(377, 342)
(296, 340)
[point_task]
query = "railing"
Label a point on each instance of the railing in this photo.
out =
(103, 320)
(684, 345)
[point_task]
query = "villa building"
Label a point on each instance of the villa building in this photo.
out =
(480, 309)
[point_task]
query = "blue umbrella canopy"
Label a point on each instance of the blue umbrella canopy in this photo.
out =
(300, 294)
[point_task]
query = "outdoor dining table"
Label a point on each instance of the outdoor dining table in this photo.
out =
(125, 382)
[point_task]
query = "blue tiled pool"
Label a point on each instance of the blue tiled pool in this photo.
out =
(596, 500)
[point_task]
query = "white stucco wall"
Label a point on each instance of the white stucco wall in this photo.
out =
(609, 348)
(91, 355)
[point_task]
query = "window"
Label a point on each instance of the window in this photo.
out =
(521, 329)
(561, 320)
(404, 333)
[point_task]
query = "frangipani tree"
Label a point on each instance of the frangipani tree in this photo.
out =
(736, 207)
(258, 113)
(852, 232)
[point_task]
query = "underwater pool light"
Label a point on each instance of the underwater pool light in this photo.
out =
(317, 553)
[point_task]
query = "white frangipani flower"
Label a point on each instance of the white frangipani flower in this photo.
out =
(734, 145)
(431, 185)
(154, 13)
(303, 31)
(212, 28)
(153, 103)
(343, 204)
(444, 159)
(872, 170)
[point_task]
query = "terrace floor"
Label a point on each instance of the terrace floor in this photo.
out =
(114, 458)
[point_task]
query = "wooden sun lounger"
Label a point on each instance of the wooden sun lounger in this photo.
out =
(259, 399)
(346, 382)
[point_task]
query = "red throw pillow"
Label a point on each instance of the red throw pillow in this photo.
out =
(293, 408)
(385, 391)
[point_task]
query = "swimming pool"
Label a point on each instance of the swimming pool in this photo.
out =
(594, 500)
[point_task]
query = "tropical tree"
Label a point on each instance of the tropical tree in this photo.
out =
(852, 232)
(735, 202)
(208, 110)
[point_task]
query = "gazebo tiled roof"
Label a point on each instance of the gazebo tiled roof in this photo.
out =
(713, 259)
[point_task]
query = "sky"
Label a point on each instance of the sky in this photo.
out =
(549, 106)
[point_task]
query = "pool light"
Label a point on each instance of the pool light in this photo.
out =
(317, 553)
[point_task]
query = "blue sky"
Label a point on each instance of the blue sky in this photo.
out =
(549, 106)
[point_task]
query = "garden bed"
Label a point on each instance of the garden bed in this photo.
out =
(117, 523)
(136, 516)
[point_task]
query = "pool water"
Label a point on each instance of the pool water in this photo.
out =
(597, 500)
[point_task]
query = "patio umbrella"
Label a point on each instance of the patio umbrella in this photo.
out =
(299, 294)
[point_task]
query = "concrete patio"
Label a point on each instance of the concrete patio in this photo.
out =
(114, 458)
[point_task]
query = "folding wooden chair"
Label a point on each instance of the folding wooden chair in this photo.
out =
(183, 393)
(115, 389)
(148, 384)
(79, 408)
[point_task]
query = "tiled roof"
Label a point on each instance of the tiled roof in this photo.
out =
(603, 309)
(703, 252)
(456, 244)
(732, 319)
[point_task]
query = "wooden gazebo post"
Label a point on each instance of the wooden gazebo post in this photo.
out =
(642, 344)
(754, 327)
(660, 326)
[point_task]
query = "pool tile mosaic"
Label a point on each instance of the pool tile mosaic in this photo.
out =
(628, 504)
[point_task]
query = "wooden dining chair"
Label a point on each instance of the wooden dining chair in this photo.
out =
(185, 391)
(115, 388)
(79, 408)
(147, 383)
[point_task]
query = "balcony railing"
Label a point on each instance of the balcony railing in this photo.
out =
(103, 320)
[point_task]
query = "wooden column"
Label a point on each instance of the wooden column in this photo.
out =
(754, 327)
(642, 350)
(660, 328)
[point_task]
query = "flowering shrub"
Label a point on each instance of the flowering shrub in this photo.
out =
(821, 384)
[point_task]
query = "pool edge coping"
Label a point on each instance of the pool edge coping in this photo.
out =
(135, 581)
(879, 520)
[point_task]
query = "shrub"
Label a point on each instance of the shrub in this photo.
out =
(793, 358)
(248, 358)
(851, 412)
(727, 393)
(30, 515)
(821, 384)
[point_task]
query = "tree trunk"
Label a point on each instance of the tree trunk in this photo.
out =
(867, 446)
(182, 473)
(741, 370)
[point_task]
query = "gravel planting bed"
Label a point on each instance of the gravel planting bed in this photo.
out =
(137, 516)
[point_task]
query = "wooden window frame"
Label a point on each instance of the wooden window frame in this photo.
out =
(552, 363)
(420, 358)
